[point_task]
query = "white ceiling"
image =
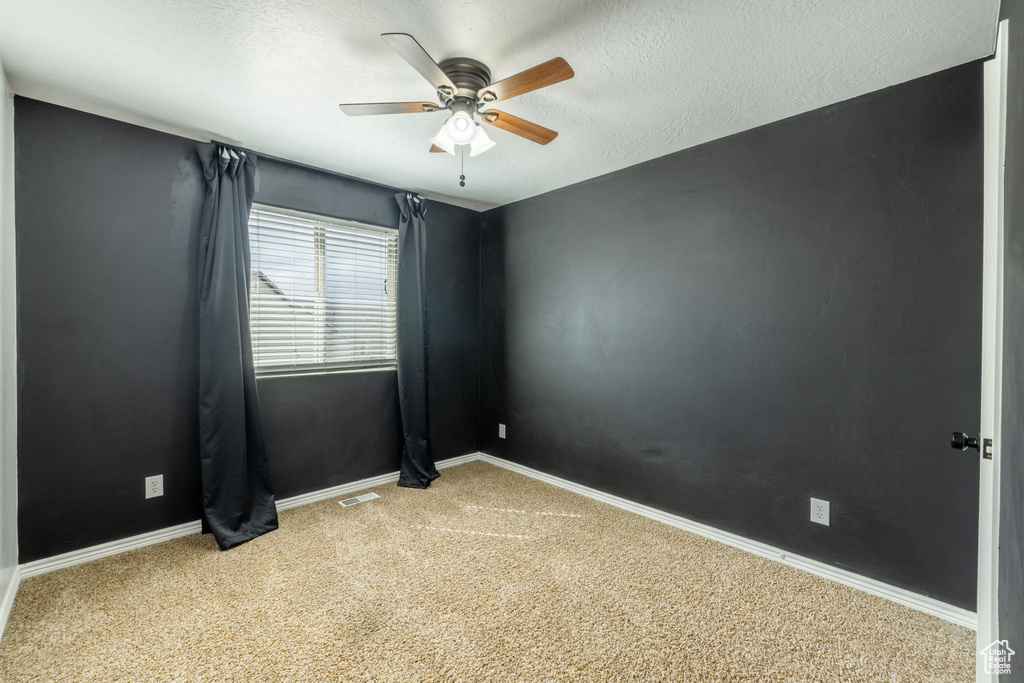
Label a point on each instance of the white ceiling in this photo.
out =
(651, 77)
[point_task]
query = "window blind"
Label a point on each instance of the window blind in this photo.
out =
(322, 293)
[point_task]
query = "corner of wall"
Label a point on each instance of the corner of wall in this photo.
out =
(479, 327)
(8, 361)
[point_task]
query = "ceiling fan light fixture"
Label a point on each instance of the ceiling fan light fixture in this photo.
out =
(463, 86)
(443, 141)
(480, 142)
(460, 128)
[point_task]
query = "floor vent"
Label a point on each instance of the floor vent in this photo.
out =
(358, 499)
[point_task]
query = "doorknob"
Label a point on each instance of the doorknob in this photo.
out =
(962, 442)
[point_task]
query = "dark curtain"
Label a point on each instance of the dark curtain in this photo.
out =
(417, 470)
(238, 503)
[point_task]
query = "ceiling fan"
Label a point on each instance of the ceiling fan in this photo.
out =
(464, 88)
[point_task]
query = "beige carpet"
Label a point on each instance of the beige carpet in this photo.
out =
(485, 576)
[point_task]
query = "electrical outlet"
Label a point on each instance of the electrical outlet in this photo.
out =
(501, 431)
(820, 511)
(155, 486)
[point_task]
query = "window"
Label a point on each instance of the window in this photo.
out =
(322, 293)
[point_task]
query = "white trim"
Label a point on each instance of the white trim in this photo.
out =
(345, 489)
(96, 552)
(7, 600)
(995, 73)
(901, 596)
(344, 371)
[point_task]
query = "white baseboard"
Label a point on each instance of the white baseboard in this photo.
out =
(96, 552)
(7, 598)
(901, 596)
(344, 489)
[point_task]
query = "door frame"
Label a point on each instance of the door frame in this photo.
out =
(995, 71)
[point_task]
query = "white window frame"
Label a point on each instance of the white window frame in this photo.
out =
(294, 338)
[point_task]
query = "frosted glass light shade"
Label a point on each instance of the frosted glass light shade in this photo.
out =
(460, 128)
(480, 142)
(443, 141)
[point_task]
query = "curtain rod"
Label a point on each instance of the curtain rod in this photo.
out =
(299, 164)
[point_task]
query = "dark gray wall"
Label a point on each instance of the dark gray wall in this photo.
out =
(107, 215)
(789, 312)
(1011, 520)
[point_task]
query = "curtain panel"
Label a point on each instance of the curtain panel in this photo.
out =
(237, 499)
(417, 469)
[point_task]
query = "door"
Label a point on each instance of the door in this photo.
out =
(991, 354)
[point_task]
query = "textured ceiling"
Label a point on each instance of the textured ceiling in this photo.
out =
(651, 77)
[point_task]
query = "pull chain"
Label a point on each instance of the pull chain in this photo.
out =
(462, 158)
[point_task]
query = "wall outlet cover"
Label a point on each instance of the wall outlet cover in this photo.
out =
(820, 511)
(501, 431)
(155, 486)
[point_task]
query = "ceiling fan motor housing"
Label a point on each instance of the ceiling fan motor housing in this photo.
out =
(463, 105)
(469, 75)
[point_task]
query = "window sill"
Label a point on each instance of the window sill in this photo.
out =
(315, 373)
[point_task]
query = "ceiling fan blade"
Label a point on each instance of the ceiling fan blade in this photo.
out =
(371, 108)
(434, 149)
(550, 72)
(521, 127)
(413, 52)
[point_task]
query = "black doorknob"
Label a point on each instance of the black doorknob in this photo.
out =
(962, 442)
